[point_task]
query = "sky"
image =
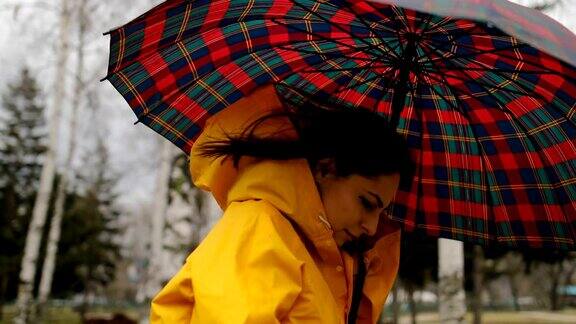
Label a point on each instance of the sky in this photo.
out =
(28, 36)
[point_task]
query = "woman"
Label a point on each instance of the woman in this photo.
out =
(304, 236)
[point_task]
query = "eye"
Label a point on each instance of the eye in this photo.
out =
(366, 204)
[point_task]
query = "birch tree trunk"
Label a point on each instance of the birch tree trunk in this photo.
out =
(32, 246)
(155, 273)
(452, 300)
(478, 278)
(56, 224)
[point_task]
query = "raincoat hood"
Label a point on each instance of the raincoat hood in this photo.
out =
(288, 185)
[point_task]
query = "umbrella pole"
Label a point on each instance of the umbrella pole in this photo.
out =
(401, 88)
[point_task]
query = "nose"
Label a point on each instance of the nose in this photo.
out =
(370, 224)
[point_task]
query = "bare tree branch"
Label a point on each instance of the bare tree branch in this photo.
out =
(546, 5)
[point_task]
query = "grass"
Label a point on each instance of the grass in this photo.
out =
(65, 315)
(505, 317)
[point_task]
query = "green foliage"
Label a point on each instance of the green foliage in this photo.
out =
(89, 248)
(181, 186)
(23, 133)
(22, 147)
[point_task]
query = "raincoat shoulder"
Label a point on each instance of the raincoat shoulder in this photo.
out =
(245, 271)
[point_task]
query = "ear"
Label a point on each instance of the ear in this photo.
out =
(325, 168)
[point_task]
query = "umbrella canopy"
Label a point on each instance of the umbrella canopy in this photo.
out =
(484, 92)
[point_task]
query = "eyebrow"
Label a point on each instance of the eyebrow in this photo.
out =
(378, 200)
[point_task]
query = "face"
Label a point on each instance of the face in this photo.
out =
(354, 204)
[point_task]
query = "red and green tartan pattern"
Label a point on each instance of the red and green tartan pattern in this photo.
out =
(490, 116)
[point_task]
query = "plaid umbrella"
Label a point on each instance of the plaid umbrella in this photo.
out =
(484, 92)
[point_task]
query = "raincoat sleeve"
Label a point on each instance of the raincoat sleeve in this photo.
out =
(174, 303)
(243, 272)
(383, 262)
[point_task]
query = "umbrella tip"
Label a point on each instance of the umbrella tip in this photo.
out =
(104, 79)
(136, 122)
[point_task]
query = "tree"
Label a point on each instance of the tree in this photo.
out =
(477, 273)
(418, 266)
(546, 5)
(55, 224)
(22, 133)
(558, 266)
(477, 279)
(182, 189)
(89, 245)
(33, 238)
(452, 299)
(155, 279)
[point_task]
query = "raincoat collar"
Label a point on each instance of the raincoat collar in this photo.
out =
(288, 185)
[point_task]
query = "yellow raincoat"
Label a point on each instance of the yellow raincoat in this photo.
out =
(272, 257)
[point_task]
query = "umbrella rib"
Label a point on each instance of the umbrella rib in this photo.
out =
(384, 27)
(435, 28)
(316, 70)
(349, 85)
(458, 31)
(463, 68)
(340, 85)
(485, 86)
(458, 92)
(378, 23)
(344, 76)
(475, 50)
(528, 92)
(486, 91)
(471, 78)
(454, 37)
(480, 52)
(486, 69)
(428, 19)
(395, 30)
(379, 76)
(335, 55)
(452, 90)
(356, 48)
(401, 17)
(519, 45)
(353, 68)
(370, 45)
(289, 100)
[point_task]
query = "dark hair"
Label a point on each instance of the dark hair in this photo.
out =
(360, 141)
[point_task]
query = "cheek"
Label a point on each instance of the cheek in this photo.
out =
(342, 210)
